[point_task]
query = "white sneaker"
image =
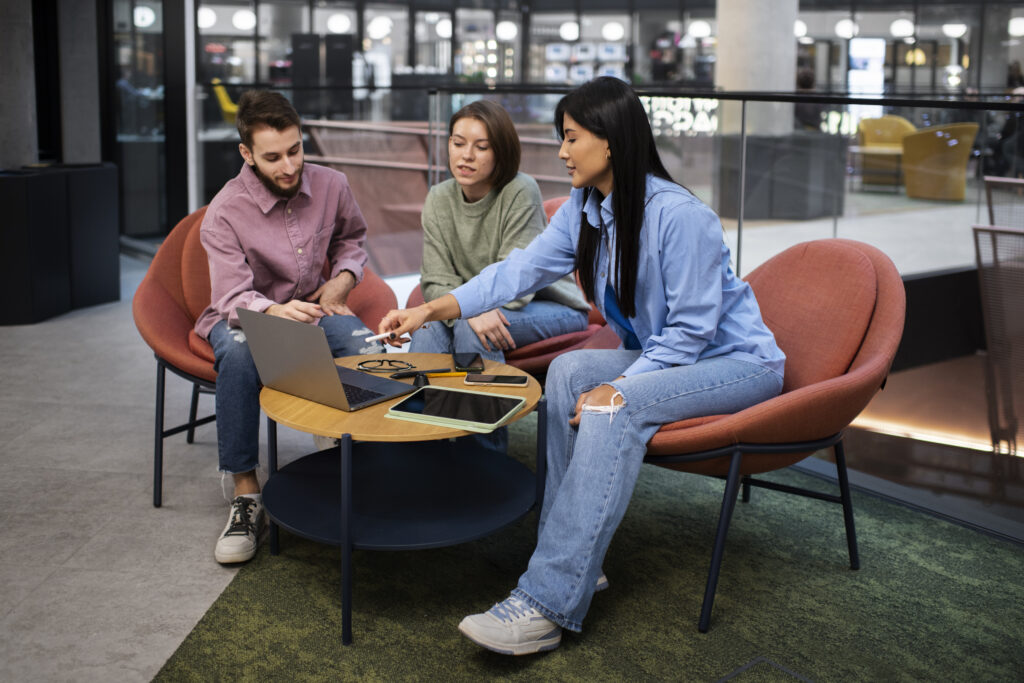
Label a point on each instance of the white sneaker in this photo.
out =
(241, 535)
(512, 628)
(602, 583)
(322, 443)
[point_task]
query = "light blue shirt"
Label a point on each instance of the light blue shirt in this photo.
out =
(689, 304)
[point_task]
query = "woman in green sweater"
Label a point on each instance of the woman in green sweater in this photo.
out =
(477, 217)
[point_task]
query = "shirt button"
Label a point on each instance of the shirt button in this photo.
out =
(300, 250)
(289, 210)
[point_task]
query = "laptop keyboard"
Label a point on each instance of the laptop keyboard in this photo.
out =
(357, 395)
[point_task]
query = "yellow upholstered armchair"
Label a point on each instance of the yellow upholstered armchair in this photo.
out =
(881, 143)
(228, 109)
(935, 161)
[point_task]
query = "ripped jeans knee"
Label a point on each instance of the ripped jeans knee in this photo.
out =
(614, 405)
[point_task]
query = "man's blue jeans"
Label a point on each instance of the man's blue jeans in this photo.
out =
(238, 385)
(535, 321)
(592, 469)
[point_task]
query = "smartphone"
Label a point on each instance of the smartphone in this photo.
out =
(510, 380)
(468, 362)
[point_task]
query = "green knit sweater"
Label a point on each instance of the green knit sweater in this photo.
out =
(461, 238)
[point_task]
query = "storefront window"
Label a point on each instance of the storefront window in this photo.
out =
(433, 38)
(226, 38)
(477, 58)
(603, 47)
(287, 50)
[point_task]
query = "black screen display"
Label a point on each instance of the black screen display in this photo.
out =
(457, 405)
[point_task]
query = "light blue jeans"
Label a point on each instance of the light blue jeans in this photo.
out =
(592, 469)
(238, 385)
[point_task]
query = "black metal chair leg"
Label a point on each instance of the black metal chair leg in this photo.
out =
(728, 504)
(158, 437)
(275, 546)
(191, 434)
(844, 494)
(542, 450)
(746, 488)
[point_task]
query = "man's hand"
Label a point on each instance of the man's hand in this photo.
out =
(333, 294)
(303, 311)
(601, 395)
(492, 328)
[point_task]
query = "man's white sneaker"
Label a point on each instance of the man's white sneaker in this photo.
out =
(512, 628)
(238, 541)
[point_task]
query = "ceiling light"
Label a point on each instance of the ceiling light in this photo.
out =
(954, 30)
(506, 31)
(206, 17)
(613, 31)
(799, 28)
(243, 20)
(846, 28)
(379, 28)
(1015, 27)
(699, 29)
(444, 28)
(144, 16)
(569, 31)
(901, 28)
(339, 23)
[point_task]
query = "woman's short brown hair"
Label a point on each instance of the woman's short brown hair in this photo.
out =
(258, 108)
(501, 135)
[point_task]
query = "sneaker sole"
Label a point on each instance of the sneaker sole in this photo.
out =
(524, 649)
(235, 557)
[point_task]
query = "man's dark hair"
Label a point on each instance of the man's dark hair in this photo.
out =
(258, 108)
(501, 135)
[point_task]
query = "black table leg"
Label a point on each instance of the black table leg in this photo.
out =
(272, 466)
(542, 452)
(346, 539)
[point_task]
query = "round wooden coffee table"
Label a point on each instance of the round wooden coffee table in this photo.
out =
(395, 484)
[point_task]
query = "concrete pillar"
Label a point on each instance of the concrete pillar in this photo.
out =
(756, 52)
(995, 57)
(19, 137)
(79, 81)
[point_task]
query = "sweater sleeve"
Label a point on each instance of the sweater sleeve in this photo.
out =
(438, 274)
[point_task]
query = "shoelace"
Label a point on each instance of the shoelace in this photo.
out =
(511, 609)
(241, 522)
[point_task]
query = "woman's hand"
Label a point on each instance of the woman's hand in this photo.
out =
(601, 395)
(492, 329)
(303, 311)
(401, 322)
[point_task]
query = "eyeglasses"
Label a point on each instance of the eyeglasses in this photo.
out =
(384, 365)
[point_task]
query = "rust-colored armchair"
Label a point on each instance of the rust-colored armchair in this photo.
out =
(536, 357)
(836, 308)
(935, 161)
(172, 295)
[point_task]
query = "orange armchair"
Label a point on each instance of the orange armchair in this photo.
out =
(836, 308)
(173, 294)
(935, 161)
(535, 358)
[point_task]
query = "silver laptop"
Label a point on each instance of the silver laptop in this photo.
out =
(295, 358)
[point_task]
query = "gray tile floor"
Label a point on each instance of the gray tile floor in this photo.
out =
(95, 583)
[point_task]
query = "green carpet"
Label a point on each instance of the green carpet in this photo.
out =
(933, 601)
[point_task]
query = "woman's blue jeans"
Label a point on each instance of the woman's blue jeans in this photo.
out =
(535, 321)
(592, 469)
(238, 385)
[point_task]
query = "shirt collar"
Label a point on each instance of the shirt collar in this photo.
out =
(598, 212)
(264, 198)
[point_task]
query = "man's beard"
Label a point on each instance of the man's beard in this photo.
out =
(269, 183)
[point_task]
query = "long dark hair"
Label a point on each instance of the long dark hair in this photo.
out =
(608, 108)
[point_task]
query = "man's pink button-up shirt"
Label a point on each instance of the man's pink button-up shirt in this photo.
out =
(264, 249)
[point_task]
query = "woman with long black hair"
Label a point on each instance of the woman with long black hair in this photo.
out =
(693, 343)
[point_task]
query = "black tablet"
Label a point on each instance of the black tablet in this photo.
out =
(473, 411)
